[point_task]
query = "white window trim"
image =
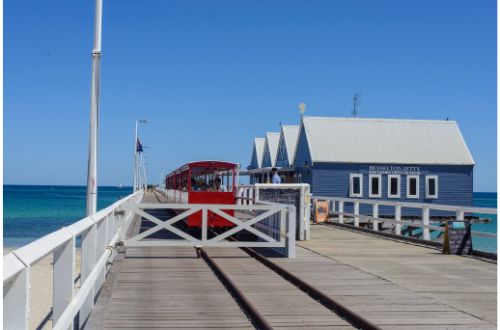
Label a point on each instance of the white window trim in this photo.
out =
(389, 195)
(408, 177)
(370, 177)
(435, 177)
(351, 177)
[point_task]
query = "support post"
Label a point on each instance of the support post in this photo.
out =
(16, 297)
(63, 276)
(425, 221)
(89, 239)
(341, 211)
(460, 214)
(397, 217)
(356, 214)
(375, 215)
(204, 224)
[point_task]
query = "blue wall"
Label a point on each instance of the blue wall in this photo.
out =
(331, 179)
(254, 162)
(282, 157)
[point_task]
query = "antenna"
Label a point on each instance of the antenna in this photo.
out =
(356, 101)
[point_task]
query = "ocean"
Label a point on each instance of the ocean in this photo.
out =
(31, 212)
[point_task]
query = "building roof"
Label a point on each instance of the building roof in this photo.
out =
(290, 134)
(272, 141)
(393, 141)
(258, 148)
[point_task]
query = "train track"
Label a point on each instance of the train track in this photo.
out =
(257, 318)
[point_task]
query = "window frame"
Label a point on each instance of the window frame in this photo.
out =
(379, 177)
(417, 190)
(351, 186)
(436, 180)
(389, 177)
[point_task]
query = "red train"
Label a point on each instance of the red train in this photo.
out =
(204, 182)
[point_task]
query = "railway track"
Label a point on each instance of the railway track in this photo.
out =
(230, 266)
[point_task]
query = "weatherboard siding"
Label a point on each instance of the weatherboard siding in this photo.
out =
(282, 157)
(254, 164)
(454, 184)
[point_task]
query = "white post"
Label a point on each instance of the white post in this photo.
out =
(425, 221)
(341, 211)
(356, 214)
(135, 157)
(397, 217)
(63, 275)
(94, 113)
(100, 248)
(89, 239)
(16, 296)
(204, 224)
(460, 214)
(290, 224)
(375, 215)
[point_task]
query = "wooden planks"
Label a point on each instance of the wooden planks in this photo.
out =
(280, 302)
(169, 288)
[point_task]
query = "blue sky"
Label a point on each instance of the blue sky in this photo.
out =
(211, 75)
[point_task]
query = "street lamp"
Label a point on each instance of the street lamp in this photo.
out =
(94, 112)
(137, 174)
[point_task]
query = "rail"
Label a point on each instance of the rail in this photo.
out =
(99, 233)
(337, 206)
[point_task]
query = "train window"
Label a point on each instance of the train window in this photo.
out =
(211, 179)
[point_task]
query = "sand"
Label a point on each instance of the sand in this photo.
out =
(41, 288)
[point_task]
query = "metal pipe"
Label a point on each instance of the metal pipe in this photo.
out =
(94, 113)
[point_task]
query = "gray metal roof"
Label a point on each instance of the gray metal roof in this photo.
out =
(272, 141)
(394, 141)
(290, 134)
(258, 148)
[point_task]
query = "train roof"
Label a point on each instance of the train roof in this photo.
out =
(203, 163)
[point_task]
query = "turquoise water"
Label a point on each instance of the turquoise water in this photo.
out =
(483, 199)
(30, 212)
(33, 211)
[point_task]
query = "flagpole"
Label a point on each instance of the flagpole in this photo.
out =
(135, 156)
(94, 113)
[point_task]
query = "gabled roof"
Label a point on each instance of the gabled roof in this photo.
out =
(272, 141)
(258, 149)
(394, 141)
(290, 134)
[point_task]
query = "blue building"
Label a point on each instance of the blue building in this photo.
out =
(270, 149)
(399, 160)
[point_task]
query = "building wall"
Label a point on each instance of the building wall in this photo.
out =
(282, 157)
(254, 163)
(454, 184)
(266, 160)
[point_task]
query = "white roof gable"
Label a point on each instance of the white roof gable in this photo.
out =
(290, 134)
(272, 140)
(258, 146)
(394, 141)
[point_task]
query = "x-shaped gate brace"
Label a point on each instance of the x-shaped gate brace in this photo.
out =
(269, 212)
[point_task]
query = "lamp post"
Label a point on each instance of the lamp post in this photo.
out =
(137, 174)
(94, 113)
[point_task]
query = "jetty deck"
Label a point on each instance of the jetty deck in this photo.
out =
(391, 284)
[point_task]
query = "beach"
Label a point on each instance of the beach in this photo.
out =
(41, 288)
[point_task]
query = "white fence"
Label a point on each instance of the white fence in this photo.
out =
(251, 194)
(337, 204)
(98, 233)
(272, 224)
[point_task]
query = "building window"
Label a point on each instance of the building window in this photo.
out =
(412, 186)
(393, 186)
(431, 186)
(375, 185)
(356, 185)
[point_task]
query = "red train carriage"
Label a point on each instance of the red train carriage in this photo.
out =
(204, 182)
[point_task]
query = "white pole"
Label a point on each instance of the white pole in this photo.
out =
(135, 157)
(94, 112)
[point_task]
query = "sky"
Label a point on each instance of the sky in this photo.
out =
(212, 75)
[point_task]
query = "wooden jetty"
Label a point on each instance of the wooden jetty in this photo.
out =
(392, 284)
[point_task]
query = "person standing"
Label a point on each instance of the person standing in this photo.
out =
(276, 177)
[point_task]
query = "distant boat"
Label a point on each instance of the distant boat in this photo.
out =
(120, 186)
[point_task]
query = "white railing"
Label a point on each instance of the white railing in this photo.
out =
(337, 205)
(272, 224)
(250, 194)
(98, 233)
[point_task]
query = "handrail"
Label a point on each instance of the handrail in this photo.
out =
(425, 220)
(98, 232)
(440, 207)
